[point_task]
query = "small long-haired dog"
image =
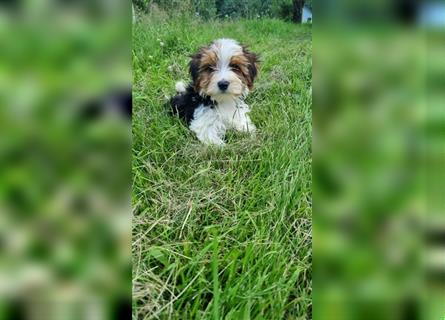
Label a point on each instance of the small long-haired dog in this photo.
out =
(222, 76)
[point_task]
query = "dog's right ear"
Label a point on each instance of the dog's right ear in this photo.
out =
(194, 66)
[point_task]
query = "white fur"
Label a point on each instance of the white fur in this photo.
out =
(225, 49)
(230, 112)
(235, 116)
(210, 124)
(180, 87)
(207, 126)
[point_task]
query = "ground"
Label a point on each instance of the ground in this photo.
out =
(222, 232)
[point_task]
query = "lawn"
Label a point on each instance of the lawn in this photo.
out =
(222, 233)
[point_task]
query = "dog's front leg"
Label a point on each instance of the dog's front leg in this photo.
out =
(241, 122)
(209, 136)
(208, 126)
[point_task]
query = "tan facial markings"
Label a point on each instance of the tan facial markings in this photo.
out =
(208, 60)
(239, 65)
(224, 61)
(207, 65)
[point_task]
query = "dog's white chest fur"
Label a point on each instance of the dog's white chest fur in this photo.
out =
(210, 124)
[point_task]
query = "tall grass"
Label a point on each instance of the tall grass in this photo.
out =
(222, 233)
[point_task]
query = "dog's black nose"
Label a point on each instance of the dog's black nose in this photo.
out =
(223, 85)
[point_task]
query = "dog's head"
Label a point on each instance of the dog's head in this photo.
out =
(224, 70)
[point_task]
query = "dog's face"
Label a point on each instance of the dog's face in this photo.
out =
(224, 70)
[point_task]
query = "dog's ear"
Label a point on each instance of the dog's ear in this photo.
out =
(253, 60)
(194, 66)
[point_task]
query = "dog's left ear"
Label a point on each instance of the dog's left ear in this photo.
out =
(194, 66)
(254, 61)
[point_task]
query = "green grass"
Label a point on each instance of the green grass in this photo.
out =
(222, 233)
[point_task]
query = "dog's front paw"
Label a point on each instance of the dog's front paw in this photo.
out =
(213, 142)
(251, 128)
(247, 127)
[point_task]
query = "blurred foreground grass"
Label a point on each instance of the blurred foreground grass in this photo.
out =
(65, 174)
(378, 158)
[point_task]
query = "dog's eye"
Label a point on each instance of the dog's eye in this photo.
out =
(234, 67)
(209, 68)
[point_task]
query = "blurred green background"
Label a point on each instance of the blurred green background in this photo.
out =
(378, 154)
(224, 9)
(65, 160)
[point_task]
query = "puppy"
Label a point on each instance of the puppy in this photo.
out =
(222, 76)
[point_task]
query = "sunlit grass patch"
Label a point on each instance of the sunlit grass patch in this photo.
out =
(222, 233)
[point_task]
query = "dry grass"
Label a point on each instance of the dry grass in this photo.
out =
(222, 233)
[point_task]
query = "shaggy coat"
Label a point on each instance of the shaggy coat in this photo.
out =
(222, 76)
